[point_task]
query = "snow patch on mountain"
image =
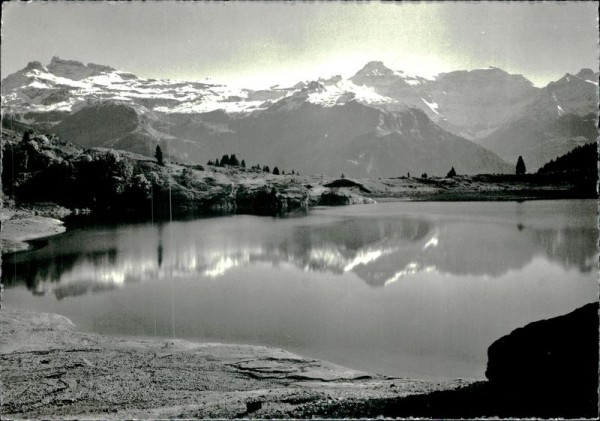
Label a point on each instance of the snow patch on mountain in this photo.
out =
(432, 105)
(33, 88)
(472, 104)
(331, 95)
(65, 83)
(558, 107)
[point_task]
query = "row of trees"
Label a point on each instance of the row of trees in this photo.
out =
(582, 158)
(227, 160)
(519, 170)
(233, 161)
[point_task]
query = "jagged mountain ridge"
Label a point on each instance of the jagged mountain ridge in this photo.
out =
(560, 118)
(65, 84)
(467, 103)
(201, 120)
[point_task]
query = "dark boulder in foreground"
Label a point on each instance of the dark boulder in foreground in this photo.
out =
(551, 363)
(547, 369)
(561, 352)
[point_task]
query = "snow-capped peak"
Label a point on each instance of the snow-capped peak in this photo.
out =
(314, 86)
(35, 65)
(374, 69)
(76, 70)
(344, 91)
(331, 81)
(64, 84)
(375, 73)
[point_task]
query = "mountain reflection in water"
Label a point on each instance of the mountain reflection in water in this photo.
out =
(406, 289)
(379, 249)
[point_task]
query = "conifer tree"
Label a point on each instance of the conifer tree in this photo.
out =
(520, 170)
(158, 154)
(275, 171)
(27, 135)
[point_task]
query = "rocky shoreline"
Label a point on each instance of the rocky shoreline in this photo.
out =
(20, 225)
(51, 370)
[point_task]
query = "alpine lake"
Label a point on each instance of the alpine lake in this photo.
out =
(407, 289)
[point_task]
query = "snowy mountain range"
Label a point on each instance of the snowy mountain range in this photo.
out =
(379, 122)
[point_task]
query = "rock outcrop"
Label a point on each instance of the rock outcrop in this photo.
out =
(554, 360)
(118, 182)
(547, 369)
(342, 197)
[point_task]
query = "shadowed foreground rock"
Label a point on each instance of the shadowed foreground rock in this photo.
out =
(547, 369)
(554, 354)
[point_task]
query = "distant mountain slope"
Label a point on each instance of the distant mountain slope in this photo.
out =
(561, 117)
(351, 138)
(123, 126)
(365, 125)
(539, 139)
(475, 103)
(358, 140)
(467, 103)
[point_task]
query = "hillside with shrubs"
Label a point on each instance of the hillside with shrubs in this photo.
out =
(43, 168)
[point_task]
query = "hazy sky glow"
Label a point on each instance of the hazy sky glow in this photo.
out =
(259, 44)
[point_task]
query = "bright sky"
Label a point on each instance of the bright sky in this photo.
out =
(261, 44)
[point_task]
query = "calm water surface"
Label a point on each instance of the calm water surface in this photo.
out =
(407, 289)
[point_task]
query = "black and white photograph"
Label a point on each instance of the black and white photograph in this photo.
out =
(299, 210)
